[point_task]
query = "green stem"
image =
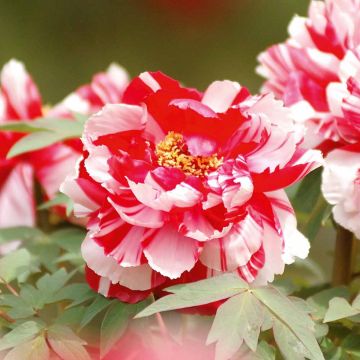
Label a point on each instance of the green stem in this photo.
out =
(343, 257)
(42, 216)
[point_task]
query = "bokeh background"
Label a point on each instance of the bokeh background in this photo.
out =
(63, 43)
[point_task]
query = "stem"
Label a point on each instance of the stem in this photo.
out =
(343, 258)
(9, 287)
(6, 317)
(42, 216)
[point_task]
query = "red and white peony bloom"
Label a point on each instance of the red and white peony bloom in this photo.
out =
(20, 100)
(317, 73)
(175, 181)
(309, 69)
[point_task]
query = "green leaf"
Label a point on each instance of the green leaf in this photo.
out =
(286, 286)
(81, 118)
(351, 345)
(22, 333)
(74, 259)
(57, 130)
(19, 307)
(59, 199)
(308, 192)
(356, 302)
(265, 351)
(77, 293)
(290, 316)
(69, 128)
(71, 316)
(34, 141)
(321, 330)
(115, 323)
(36, 349)
(50, 284)
(69, 239)
(290, 346)
(320, 301)
(21, 126)
(238, 319)
(46, 253)
(339, 309)
(31, 296)
(197, 293)
(66, 344)
(315, 220)
(99, 304)
(65, 126)
(14, 264)
(19, 233)
(331, 351)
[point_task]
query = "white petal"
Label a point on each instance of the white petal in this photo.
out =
(220, 95)
(171, 253)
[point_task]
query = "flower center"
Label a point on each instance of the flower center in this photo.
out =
(173, 152)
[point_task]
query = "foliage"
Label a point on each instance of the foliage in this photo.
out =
(36, 315)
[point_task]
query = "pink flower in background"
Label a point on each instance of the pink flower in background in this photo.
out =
(171, 178)
(307, 70)
(20, 100)
(317, 73)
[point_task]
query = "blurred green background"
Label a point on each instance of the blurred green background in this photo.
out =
(64, 42)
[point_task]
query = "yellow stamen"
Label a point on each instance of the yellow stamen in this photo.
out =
(173, 152)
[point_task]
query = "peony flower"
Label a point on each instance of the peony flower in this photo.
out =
(317, 73)
(175, 181)
(20, 100)
(302, 71)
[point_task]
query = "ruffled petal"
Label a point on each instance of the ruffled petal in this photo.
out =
(220, 95)
(275, 152)
(302, 163)
(120, 240)
(103, 286)
(232, 181)
(295, 243)
(273, 249)
(140, 277)
(86, 194)
(112, 119)
(23, 100)
(236, 248)
(136, 213)
(151, 194)
(171, 253)
(204, 225)
(250, 271)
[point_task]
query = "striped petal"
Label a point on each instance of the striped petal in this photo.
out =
(171, 253)
(236, 248)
